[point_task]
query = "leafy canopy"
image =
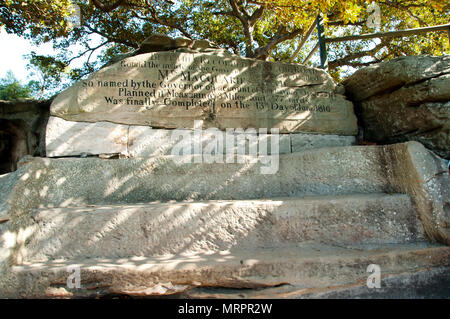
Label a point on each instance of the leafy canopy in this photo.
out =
(12, 89)
(262, 29)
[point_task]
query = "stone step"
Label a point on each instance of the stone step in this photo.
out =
(431, 283)
(82, 181)
(406, 168)
(186, 227)
(67, 138)
(303, 266)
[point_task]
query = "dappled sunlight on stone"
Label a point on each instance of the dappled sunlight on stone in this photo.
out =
(405, 99)
(172, 89)
(133, 219)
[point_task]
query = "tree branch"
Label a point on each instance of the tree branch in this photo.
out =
(275, 5)
(106, 8)
(89, 49)
(157, 19)
(342, 23)
(257, 14)
(264, 52)
(224, 13)
(347, 59)
(247, 26)
(237, 12)
(112, 39)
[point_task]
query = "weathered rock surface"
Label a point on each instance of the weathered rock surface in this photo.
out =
(172, 89)
(301, 142)
(412, 284)
(403, 168)
(22, 131)
(423, 284)
(327, 171)
(405, 99)
(68, 138)
(159, 42)
(64, 138)
(405, 71)
(426, 179)
(151, 229)
(319, 221)
(307, 268)
(304, 223)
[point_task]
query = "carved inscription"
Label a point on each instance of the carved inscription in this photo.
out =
(171, 89)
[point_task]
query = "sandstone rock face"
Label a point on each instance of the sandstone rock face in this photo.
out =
(22, 131)
(172, 89)
(311, 218)
(68, 138)
(135, 102)
(240, 224)
(263, 272)
(301, 142)
(405, 99)
(150, 226)
(65, 138)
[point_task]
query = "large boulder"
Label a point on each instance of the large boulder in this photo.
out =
(405, 99)
(133, 104)
(176, 89)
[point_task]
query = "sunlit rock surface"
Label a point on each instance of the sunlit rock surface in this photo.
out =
(405, 99)
(172, 89)
(148, 227)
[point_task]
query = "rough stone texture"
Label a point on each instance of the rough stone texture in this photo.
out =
(430, 284)
(301, 142)
(144, 141)
(326, 171)
(173, 89)
(4, 250)
(284, 143)
(154, 229)
(424, 176)
(68, 138)
(405, 99)
(65, 138)
(306, 267)
(404, 71)
(7, 182)
(433, 283)
(22, 131)
(47, 192)
(404, 168)
(65, 182)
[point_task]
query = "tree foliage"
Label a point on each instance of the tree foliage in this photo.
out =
(48, 74)
(11, 89)
(262, 29)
